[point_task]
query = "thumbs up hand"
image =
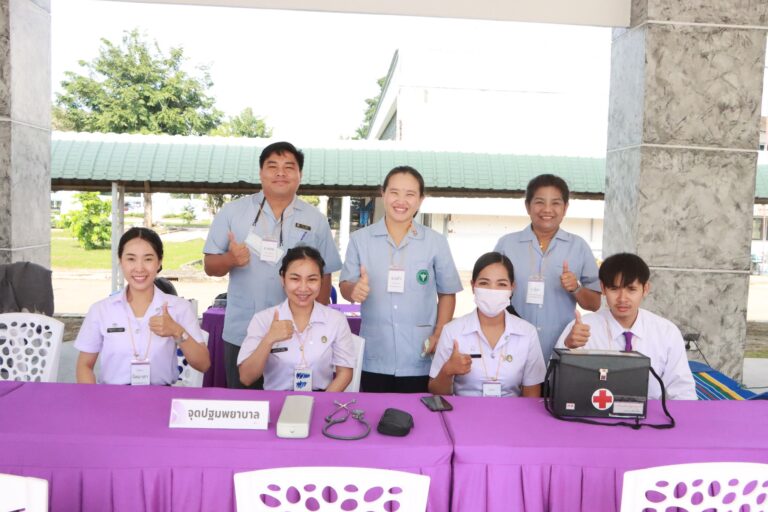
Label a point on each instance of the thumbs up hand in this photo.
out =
(279, 330)
(458, 363)
(579, 335)
(163, 325)
(568, 279)
(239, 252)
(361, 289)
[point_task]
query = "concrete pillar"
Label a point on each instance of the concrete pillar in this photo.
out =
(686, 87)
(25, 131)
(118, 228)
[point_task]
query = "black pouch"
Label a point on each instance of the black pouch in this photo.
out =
(395, 422)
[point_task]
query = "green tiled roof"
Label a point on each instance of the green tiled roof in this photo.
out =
(197, 164)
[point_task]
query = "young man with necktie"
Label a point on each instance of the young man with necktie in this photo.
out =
(624, 325)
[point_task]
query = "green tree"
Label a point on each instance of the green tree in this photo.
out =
(91, 225)
(133, 87)
(372, 104)
(245, 124)
(188, 213)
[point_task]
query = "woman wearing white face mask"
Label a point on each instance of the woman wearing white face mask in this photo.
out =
(489, 352)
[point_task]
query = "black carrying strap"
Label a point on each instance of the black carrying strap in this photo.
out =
(548, 404)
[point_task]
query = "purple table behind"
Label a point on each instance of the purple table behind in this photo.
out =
(213, 324)
(352, 312)
(109, 447)
(510, 454)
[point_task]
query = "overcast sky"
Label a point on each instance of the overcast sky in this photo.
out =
(309, 73)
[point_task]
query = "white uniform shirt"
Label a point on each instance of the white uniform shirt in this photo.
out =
(517, 355)
(327, 343)
(653, 336)
(110, 325)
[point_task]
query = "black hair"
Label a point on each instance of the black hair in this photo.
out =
(302, 252)
(405, 169)
(629, 266)
(146, 234)
(490, 258)
(546, 180)
(165, 286)
(281, 148)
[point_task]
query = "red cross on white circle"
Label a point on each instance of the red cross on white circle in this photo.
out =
(602, 399)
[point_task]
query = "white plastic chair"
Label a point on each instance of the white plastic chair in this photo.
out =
(30, 347)
(188, 376)
(357, 371)
(329, 489)
(696, 487)
(23, 493)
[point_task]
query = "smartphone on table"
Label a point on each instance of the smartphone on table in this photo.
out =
(436, 403)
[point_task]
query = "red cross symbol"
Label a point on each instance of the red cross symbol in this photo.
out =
(602, 399)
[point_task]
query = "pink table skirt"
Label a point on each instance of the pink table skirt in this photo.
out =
(109, 448)
(509, 454)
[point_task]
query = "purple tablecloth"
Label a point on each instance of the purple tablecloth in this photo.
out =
(213, 324)
(109, 447)
(352, 312)
(509, 454)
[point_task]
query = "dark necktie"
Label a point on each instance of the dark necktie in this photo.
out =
(628, 342)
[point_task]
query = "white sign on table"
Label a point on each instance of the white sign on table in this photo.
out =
(226, 414)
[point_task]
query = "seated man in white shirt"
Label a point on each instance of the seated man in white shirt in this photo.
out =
(623, 325)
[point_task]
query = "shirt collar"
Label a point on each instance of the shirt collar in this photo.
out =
(527, 235)
(617, 330)
(512, 324)
(296, 204)
(158, 299)
(417, 231)
(318, 316)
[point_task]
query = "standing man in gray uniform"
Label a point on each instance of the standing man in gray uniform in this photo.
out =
(248, 239)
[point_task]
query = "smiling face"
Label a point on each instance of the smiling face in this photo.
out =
(280, 175)
(140, 264)
(402, 197)
(624, 301)
(301, 282)
(546, 210)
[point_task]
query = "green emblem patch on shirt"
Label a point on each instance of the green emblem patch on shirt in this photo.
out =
(422, 276)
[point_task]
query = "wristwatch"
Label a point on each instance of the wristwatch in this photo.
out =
(181, 339)
(575, 290)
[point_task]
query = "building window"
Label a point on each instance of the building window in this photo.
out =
(757, 228)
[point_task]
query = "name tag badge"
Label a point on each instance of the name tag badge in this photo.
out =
(535, 293)
(253, 241)
(396, 280)
(302, 379)
(139, 373)
(115, 329)
(492, 388)
(269, 251)
(277, 350)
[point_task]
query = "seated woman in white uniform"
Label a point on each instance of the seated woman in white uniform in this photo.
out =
(297, 344)
(489, 352)
(136, 331)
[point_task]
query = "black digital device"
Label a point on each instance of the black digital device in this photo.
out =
(436, 403)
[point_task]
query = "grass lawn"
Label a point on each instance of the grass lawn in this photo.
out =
(67, 254)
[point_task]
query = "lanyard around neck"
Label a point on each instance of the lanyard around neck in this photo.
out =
(129, 314)
(258, 215)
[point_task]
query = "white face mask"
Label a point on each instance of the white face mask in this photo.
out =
(492, 302)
